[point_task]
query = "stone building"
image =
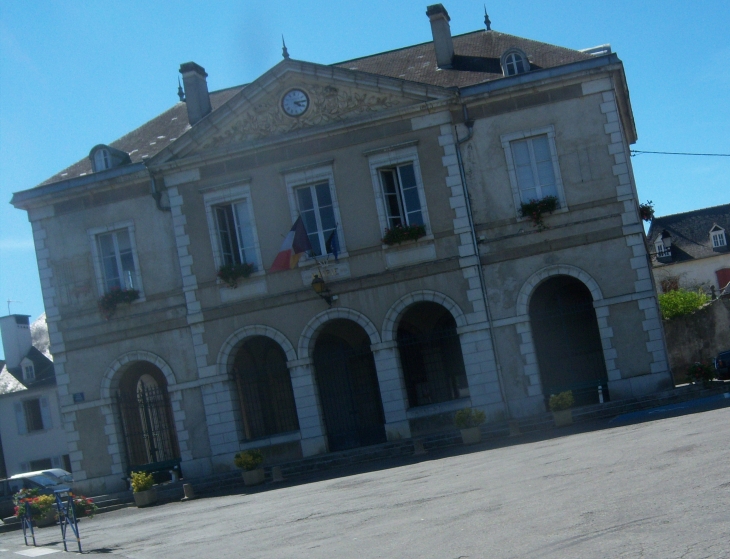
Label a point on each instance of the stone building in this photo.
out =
(444, 141)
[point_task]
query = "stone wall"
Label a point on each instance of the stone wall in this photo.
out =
(700, 335)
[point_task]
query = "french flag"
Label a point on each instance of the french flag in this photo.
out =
(295, 244)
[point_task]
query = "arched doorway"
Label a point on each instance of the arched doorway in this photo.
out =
(567, 340)
(430, 353)
(146, 416)
(264, 388)
(348, 386)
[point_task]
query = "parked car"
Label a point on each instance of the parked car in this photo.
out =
(45, 483)
(722, 365)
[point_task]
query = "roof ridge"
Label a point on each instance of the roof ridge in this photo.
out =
(687, 213)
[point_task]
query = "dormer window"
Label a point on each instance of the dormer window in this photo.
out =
(28, 370)
(514, 62)
(718, 238)
(102, 161)
(663, 247)
(105, 157)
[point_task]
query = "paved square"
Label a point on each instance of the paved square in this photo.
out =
(656, 489)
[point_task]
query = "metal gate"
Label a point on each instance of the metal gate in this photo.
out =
(149, 432)
(349, 394)
(568, 345)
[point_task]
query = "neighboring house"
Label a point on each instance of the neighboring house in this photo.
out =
(445, 139)
(690, 250)
(33, 437)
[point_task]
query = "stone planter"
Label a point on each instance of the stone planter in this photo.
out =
(253, 477)
(48, 520)
(145, 498)
(562, 418)
(472, 435)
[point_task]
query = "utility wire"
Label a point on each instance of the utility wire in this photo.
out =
(635, 152)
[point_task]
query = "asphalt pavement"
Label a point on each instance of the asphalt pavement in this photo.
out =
(652, 488)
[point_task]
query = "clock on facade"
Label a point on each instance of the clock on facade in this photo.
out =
(295, 102)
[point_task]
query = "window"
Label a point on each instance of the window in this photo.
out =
(663, 251)
(400, 193)
(28, 372)
(102, 160)
(398, 188)
(235, 233)
(33, 415)
(532, 163)
(717, 234)
(514, 62)
(115, 251)
(232, 226)
(115, 257)
(312, 195)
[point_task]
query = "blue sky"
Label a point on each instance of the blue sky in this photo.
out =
(76, 74)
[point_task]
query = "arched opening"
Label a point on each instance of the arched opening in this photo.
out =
(567, 340)
(265, 392)
(430, 353)
(146, 416)
(348, 386)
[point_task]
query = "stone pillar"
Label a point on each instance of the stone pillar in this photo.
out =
(309, 409)
(392, 390)
(481, 368)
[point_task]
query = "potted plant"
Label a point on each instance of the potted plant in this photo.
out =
(701, 372)
(144, 494)
(230, 273)
(535, 210)
(469, 420)
(402, 233)
(646, 210)
(250, 461)
(42, 509)
(560, 405)
(109, 301)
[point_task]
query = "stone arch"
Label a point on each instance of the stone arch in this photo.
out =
(528, 288)
(306, 340)
(111, 374)
(390, 324)
(229, 346)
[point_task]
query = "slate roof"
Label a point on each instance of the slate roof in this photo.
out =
(690, 232)
(44, 371)
(476, 59)
(150, 138)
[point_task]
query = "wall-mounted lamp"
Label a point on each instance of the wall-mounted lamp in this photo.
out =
(666, 239)
(321, 289)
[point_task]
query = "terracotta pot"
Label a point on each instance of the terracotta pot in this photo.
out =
(145, 498)
(472, 435)
(563, 417)
(253, 477)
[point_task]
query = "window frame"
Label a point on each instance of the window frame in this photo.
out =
(309, 177)
(94, 234)
(661, 250)
(229, 195)
(28, 370)
(509, 56)
(103, 156)
(718, 233)
(507, 139)
(392, 159)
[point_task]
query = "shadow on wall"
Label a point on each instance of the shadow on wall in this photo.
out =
(697, 336)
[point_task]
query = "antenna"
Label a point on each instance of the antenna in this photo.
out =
(11, 301)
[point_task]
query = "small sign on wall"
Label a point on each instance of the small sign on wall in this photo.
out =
(79, 397)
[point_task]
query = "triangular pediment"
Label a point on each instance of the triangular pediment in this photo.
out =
(334, 97)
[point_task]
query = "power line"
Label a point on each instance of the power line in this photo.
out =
(635, 152)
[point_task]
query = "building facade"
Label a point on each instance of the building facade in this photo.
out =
(486, 301)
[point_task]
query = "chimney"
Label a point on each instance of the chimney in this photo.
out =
(17, 341)
(442, 43)
(196, 91)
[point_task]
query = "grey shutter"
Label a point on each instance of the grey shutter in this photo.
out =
(46, 414)
(20, 418)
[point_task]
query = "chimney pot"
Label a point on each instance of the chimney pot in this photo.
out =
(441, 30)
(197, 98)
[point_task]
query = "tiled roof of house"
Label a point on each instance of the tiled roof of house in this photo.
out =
(150, 138)
(476, 59)
(44, 370)
(690, 232)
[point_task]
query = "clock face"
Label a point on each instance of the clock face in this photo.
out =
(295, 102)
